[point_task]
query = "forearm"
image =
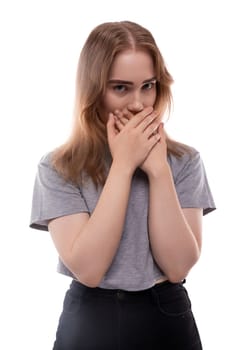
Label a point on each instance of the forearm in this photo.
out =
(173, 243)
(96, 246)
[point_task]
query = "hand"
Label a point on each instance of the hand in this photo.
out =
(156, 160)
(131, 145)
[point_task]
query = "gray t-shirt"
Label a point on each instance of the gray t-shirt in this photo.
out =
(133, 267)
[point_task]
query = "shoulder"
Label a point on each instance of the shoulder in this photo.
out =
(46, 160)
(186, 163)
(46, 171)
(46, 164)
(189, 155)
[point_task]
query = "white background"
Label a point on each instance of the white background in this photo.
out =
(39, 48)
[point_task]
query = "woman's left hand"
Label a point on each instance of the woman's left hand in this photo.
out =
(156, 162)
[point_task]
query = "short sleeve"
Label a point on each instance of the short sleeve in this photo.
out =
(191, 183)
(53, 196)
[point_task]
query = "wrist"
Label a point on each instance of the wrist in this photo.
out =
(122, 169)
(163, 173)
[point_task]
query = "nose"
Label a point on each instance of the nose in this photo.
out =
(135, 104)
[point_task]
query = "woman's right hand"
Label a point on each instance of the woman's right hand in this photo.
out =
(130, 146)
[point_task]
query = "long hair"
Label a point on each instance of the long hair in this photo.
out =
(85, 152)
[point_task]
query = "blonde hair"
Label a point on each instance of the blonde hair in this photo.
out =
(86, 149)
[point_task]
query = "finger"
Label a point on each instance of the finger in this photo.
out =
(151, 129)
(153, 140)
(122, 113)
(118, 113)
(124, 121)
(156, 137)
(118, 120)
(127, 114)
(119, 124)
(111, 130)
(149, 124)
(121, 117)
(161, 131)
(138, 118)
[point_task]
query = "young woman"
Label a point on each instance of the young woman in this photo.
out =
(123, 203)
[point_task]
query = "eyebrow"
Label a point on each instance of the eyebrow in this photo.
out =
(125, 82)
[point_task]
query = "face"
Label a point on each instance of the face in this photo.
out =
(131, 84)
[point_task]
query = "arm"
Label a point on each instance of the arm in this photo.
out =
(87, 245)
(175, 234)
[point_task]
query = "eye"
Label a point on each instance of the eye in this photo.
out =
(120, 88)
(149, 86)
